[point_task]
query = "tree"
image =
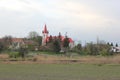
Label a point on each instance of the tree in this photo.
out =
(90, 48)
(111, 44)
(108, 43)
(50, 39)
(66, 44)
(33, 35)
(23, 51)
(1, 47)
(79, 46)
(97, 49)
(116, 45)
(56, 45)
(38, 39)
(7, 41)
(59, 37)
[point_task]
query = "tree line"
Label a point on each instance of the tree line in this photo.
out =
(56, 45)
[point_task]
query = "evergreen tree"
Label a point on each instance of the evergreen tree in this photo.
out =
(116, 45)
(66, 44)
(59, 37)
(108, 43)
(79, 46)
(1, 47)
(50, 39)
(56, 45)
(111, 44)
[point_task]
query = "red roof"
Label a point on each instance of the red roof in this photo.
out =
(62, 39)
(70, 40)
(17, 39)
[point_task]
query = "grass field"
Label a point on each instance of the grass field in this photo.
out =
(59, 71)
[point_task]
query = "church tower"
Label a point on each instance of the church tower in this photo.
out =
(45, 35)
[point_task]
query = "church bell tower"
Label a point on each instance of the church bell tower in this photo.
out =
(45, 35)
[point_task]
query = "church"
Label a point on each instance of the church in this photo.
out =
(46, 37)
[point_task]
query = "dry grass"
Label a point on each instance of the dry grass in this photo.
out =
(4, 56)
(80, 59)
(42, 58)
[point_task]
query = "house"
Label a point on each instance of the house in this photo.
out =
(115, 49)
(17, 43)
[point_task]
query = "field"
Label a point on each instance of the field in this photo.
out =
(57, 67)
(59, 71)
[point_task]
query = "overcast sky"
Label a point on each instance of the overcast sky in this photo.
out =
(83, 20)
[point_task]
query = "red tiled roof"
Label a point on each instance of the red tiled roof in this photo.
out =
(70, 40)
(17, 39)
(62, 38)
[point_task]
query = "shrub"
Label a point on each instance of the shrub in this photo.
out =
(14, 54)
(22, 52)
(34, 59)
(104, 52)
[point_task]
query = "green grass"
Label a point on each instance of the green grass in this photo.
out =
(59, 72)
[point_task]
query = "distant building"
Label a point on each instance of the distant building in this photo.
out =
(17, 43)
(46, 38)
(115, 49)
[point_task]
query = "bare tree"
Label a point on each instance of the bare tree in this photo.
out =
(7, 41)
(33, 35)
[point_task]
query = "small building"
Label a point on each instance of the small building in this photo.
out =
(17, 43)
(115, 49)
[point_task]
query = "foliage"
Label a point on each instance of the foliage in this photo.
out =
(22, 52)
(6, 41)
(66, 42)
(1, 47)
(79, 49)
(111, 44)
(116, 45)
(13, 54)
(34, 36)
(104, 52)
(79, 46)
(56, 45)
(31, 47)
(89, 49)
(38, 39)
(96, 49)
(50, 39)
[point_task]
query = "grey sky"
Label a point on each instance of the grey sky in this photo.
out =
(83, 20)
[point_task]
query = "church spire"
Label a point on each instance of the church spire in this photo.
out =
(45, 36)
(45, 29)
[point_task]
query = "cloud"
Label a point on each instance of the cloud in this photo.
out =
(69, 11)
(13, 5)
(78, 17)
